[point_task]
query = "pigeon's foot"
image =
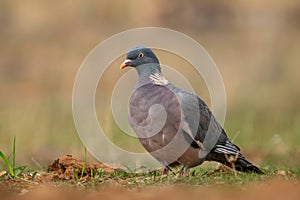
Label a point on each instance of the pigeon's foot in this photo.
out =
(166, 170)
(184, 171)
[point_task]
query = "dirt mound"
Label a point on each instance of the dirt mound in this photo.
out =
(67, 167)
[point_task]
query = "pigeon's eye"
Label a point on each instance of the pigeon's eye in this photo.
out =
(141, 55)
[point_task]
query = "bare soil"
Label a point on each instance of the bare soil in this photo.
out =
(275, 190)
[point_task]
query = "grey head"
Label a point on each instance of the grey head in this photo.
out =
(143, 60)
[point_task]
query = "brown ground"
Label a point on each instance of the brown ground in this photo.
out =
(276, 189)
(48, 185)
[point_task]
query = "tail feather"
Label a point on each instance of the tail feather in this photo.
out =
(221, 152)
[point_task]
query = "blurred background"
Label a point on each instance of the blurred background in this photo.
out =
(255, 44)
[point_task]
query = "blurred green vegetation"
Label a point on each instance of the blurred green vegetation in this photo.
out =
(256, 46)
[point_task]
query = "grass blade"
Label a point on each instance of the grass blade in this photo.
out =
(75, 174)
(19, 170)
(7, 164)
(14, 154)
(84, 163)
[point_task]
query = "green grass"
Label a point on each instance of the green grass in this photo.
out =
(77, 178)
(197, 177)
(11, 169)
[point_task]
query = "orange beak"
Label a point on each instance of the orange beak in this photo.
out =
(126, 63)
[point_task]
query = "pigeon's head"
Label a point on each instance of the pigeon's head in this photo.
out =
(138, 56)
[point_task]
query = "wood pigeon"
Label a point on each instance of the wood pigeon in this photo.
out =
(175, 126)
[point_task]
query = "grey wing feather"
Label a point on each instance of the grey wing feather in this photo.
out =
(199, 118)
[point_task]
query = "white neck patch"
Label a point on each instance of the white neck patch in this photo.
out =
(158, 79)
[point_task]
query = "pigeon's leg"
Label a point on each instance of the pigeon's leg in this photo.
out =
(165, 171)
(184, 170)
